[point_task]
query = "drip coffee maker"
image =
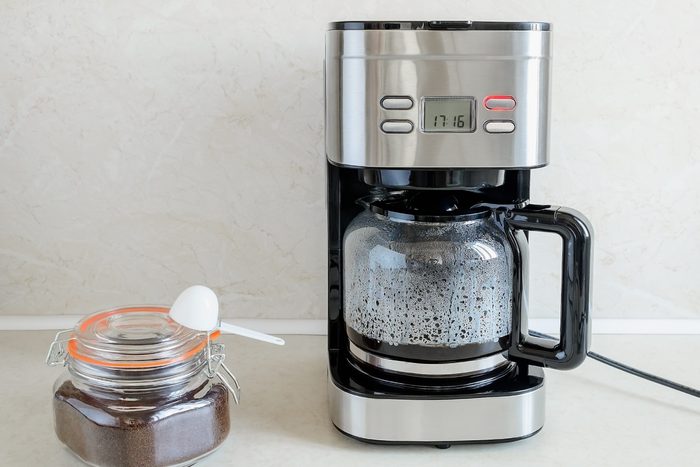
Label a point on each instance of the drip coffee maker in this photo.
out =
(432, 129)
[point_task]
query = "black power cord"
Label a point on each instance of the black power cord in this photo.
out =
(633, 371)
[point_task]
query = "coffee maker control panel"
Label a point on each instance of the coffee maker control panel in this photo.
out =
(447, 114)
(414, 96)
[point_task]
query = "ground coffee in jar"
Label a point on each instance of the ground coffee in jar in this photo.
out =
(140, 390)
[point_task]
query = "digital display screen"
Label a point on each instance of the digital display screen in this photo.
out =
(448, 114)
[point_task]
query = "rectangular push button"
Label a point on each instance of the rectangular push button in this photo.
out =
(397, 103)
(397, 126)
(499, 102)
(499, 126)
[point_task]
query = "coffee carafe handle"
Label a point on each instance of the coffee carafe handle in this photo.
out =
(577, 235)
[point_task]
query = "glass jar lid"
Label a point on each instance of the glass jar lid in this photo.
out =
(139, 349)
(134, 337)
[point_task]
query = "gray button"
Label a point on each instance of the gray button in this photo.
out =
(499, 126)
(397, 103)
(397, 126)
(499, 103)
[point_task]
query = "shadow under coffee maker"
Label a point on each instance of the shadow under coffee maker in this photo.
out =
(432, 129)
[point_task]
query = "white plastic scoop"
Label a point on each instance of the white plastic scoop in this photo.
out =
(197, 307)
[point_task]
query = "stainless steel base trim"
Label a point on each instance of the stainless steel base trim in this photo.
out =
(476, 419)
(464, 368)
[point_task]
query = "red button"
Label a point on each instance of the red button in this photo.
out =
(499, 102)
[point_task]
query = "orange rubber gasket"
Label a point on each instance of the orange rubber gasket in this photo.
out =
(73, 346)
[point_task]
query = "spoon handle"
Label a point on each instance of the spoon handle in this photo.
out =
(233, 329)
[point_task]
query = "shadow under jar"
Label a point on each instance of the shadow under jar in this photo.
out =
(140, 389)
(426, 281)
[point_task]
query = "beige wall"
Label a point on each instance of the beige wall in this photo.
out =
(146, 146)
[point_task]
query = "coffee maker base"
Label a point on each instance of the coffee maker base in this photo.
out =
(481, 417)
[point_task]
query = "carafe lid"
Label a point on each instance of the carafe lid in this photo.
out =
(430, 206)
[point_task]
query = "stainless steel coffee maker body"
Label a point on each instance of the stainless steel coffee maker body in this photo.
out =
(432, 129)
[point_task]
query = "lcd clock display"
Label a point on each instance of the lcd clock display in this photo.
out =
(448, 114)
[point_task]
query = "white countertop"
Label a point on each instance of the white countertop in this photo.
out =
(595, 415)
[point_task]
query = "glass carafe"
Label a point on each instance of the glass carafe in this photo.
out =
(429, 279)
(429, 290)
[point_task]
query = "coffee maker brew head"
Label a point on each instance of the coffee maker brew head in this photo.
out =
(438, 95)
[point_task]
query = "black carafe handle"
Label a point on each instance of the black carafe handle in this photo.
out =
(577, 235)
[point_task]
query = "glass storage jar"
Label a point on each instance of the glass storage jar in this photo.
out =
(140, 389)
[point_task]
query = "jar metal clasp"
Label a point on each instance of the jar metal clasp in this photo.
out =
(216, 367)
(58, 351)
